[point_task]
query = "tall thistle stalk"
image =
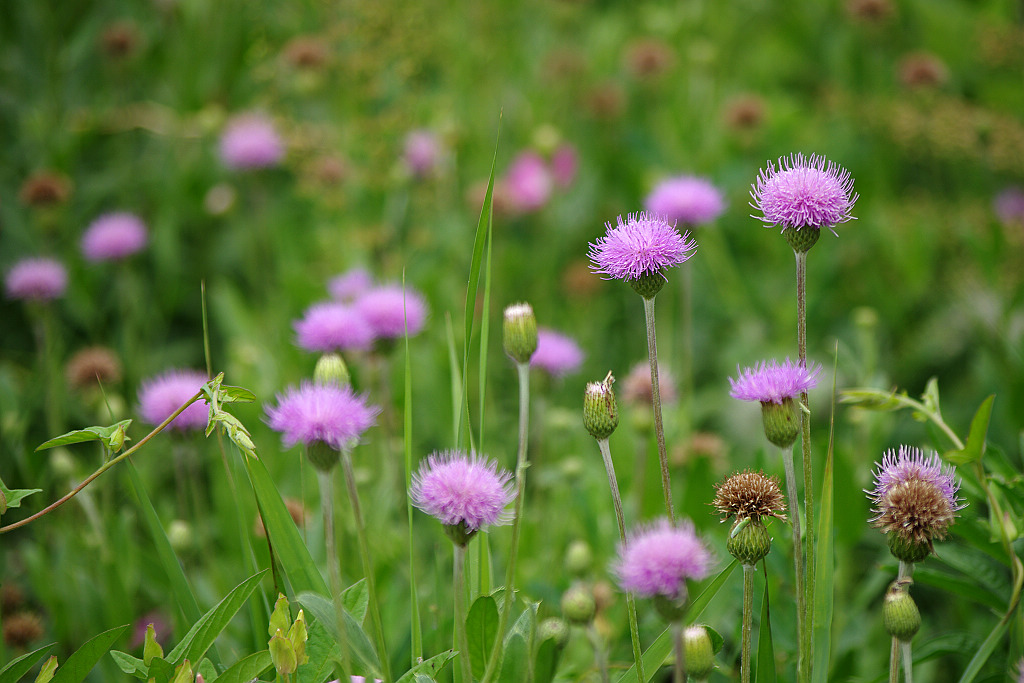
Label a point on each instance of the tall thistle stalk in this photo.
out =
(659, 426)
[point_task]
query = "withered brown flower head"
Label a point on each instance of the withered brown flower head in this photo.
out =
(869, 11)
(745, 112)
(917, 510)
(922, 70)
(11, 598)
(749, 494)
(649, 58)
(44, 189)
(120, 39)
(92, 365)
(306, 52)
(22, 629)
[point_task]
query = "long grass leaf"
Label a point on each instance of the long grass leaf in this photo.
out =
(356, 638)
(247, 669)
(986, 649)
(415, 627)
(765, 644)
(824, 572)
(78, 665)
(18, 667)
(485, 327)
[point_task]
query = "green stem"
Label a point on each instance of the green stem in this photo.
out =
(908, 662)
(798, 560)
(807, 637)
(894, 661)
(679, 670)
(748, 620)
(659, 427)
(600, 658)
(364, 553)
(687, 361)
(333, 561)
(634, 630)
(459, 587)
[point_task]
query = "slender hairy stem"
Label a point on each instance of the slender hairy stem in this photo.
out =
(805, 443)
(798, 558)
(600, 658)
(659, 427)
(459, 588)
(687, 380)
(679, 670)
(523, 370)
(894, 661)
(333, 561)
(748, 621)
(634, 630)
(908, 662)
(364, 553)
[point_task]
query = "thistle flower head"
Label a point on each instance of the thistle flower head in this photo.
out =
(528, 182)
(114, 236)
(36, 279)
(751, 495)
(421, 152)
(773, 382)
(519, 334)
(160, 396)
(642, 246)
(915, 497)
(803, 193)
(390, 311)
(557, 354)
(688, 199)
(250, 141)
(333, 326)
(350, 285)
(657, 559)
(328, 414)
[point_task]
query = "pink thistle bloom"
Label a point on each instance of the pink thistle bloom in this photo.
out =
(557, 354)
(636, 388)
(250, 141)
(641, 245)
(160, 396)
(658, 558)
(687, 199)
(36, 279)
(422, 153)
(911, 464)
(527, 182)
(457, 488)
(388, 310)
(772, 382)
(802, 192)
(328, 413)
(113, 236)
(350, 284)
(1009, 206)
(565, 163)
(333, 326)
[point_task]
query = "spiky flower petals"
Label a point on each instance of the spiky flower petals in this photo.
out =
(751, 495)
(463, 490)
(557, 354)
(160, 396)
(773, 382)
(915, 498)
(641, 246)
(657, 559)
(333, 326)
(803, 193)
(687, 199)
(327, 414)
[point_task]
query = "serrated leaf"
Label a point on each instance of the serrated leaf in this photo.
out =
(357, 640)
(79, 664)
(202, 634)
(514, 660)
(481, 632)
(975, 447)
(97, 433)
(429, 667)
(19, 666)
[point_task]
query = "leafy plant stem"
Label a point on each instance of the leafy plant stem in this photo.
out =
(659, 427)
(807, 635)
(459, 589)
(326, 481)
(748, 620)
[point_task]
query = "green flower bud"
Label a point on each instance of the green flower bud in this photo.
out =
(183, 674)
(899, 612)
(750, 542)
(700, 655)
(459, 533)
(331, 369)
(282, 654)
(519, 332)
(179, 533)
(281, 617)
(600, 412)
(803, 239)
(324, 457)
(578, 558)
(781, 422)
(554, 629)
(151, 649)
(297, 636)
(648, 284)
(578, 604)
(116, 440)
(908, 549)
(670, 609)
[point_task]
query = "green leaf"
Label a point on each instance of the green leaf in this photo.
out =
(481, 630)
(104, 434)
(160, 671)
(19, 666)
(717, 641)
(12, 497)
(202, 634)
(985, 651)
(545, 664)
(824, 594)
(78, 665)
(975, 447)
(415, 625)
(765, 645)
(873, 399)
(356, 600)
(525, 624)
(319, 648)
(430, 667)
(514, 661)
(356, 638)
(133, 666)
(229, 394)
(48, 670)
(930, 397)
(957, 585)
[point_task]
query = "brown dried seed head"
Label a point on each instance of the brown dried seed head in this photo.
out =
(21, 629)
(749, 494)
(916, 510)
(92, 364)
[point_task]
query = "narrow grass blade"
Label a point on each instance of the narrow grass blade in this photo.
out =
(78, 665)
(986, 649)
(824, 573)
(18, 667)
(416, 628)
(765, 645)
(975, 446)
(485, 328)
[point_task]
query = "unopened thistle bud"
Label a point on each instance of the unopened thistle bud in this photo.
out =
(899, 613)
(323, 456)
(749, 542)
(700, 655)
(554, 629)
(578, 558)
(519, 332)
(600, 412)
(578, 604)
(801, 239)
(331, 369)
(781, 422)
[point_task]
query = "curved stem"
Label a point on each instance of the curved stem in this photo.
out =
(459, 588)
(748, 620)
(659, 427)
(807, 637)
(798, 560)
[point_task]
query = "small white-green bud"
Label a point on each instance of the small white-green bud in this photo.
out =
(900, 615)
(578, 558)
(331, 369)
(554, 629)
(700, 655)
(519, 332)
(578, 604)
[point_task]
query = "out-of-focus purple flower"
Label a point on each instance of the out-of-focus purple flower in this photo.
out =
(557, 354)
(350, 284)
(422, 153)
(565, 163)
(333, 326)
(641, 245)
(456, 488)
(250, 141)
(636, 388)
(773, 382)
(527, 182)
(388, 310)
(1009, 206)
(687, 199)
(657, 559)
(326, 413)
(36, 279)
(160, 396)
(161, 627)
(113, 236)
(801, 192)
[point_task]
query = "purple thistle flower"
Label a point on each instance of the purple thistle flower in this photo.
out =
(658, 558)
(327, 413)
(36, 279)
(687, 199)
(641, 245)
(1009, 206)
(388, 309)
(113, 236)
(350, 284)
(557, 354)
(333, 326)
(160, 396)
(803, 192)
(250, 141)
(457, 488)
(422, 152)
(772, 382)
(565, 162)
(911, 464)
(528, 182)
